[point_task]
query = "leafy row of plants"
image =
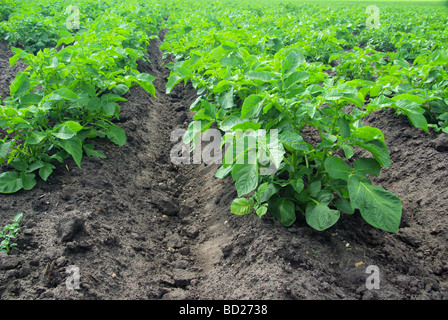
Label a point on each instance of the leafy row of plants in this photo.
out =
(258, 68)
(342, 44)
(254, 74)
(69, 95)
(6, 8)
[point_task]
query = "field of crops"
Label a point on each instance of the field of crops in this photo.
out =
(223, 150)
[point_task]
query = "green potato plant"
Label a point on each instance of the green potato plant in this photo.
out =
(317, 180)
(68, 96)
(8, 234)
(248, 89)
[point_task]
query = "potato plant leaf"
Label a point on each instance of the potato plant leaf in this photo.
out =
(337, 168)
(10, 182)
(116, 134)
(246, 178)
(240, 206)
(283, 210)
(320, 216)
(379, 207)
(73, 147)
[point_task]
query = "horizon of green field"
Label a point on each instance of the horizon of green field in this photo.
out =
(432, 3)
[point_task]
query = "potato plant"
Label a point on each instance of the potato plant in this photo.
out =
(313, 179)
(68, 96)
(9, 233)
(256, 73)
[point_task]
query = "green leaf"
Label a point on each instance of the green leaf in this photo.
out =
(441, 58)
(94, 104)
(252, 104)
(63, 94)
(193, 133)
(19, 54)
(36, 165)
(28, 181)
(246, 178)
(247, 125)
(375, 90)
(337, 168)
(283, 210)
(314, 188)
(36, 137)
(54, 63)
(222, 86)
(345, 127)
(273, 149)
(19, 164)
(292, 61)
(240, 206)
(120, 89)
(261, 211)
(266, 190)
(348, 151)
(73, 147)
(321, 217)
(20, 84)
(367, 166)
(116, 135)
(368, 133)
(65, 40)
(381, 101)
(209, 109)
(46, 171)
(148, 87)
(293, 141)
(380, 208)
(344, 206)
(231, 61)
(325, 197)
(262, 75)
(4, 149)
(109, 107)
(73, 125)
(64, 132)
(91, 152)
(223, 172)
(17, 217)
(297, 185)
(225, 100)
(196, 105)
(410, 97)
(293, 78)
(172, 81)
(332, 94)
(401, 63)
(378, 149)
(10, 182)
(230, 122)
(31, 99)
(414, 113)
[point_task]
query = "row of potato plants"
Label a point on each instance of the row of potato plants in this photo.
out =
(69, 94)
(255, 71)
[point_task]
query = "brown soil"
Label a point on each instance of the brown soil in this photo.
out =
(139, 227)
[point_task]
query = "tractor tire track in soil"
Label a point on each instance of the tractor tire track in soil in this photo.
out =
(139, 227)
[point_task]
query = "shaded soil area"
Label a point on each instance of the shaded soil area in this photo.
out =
(136, 226)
